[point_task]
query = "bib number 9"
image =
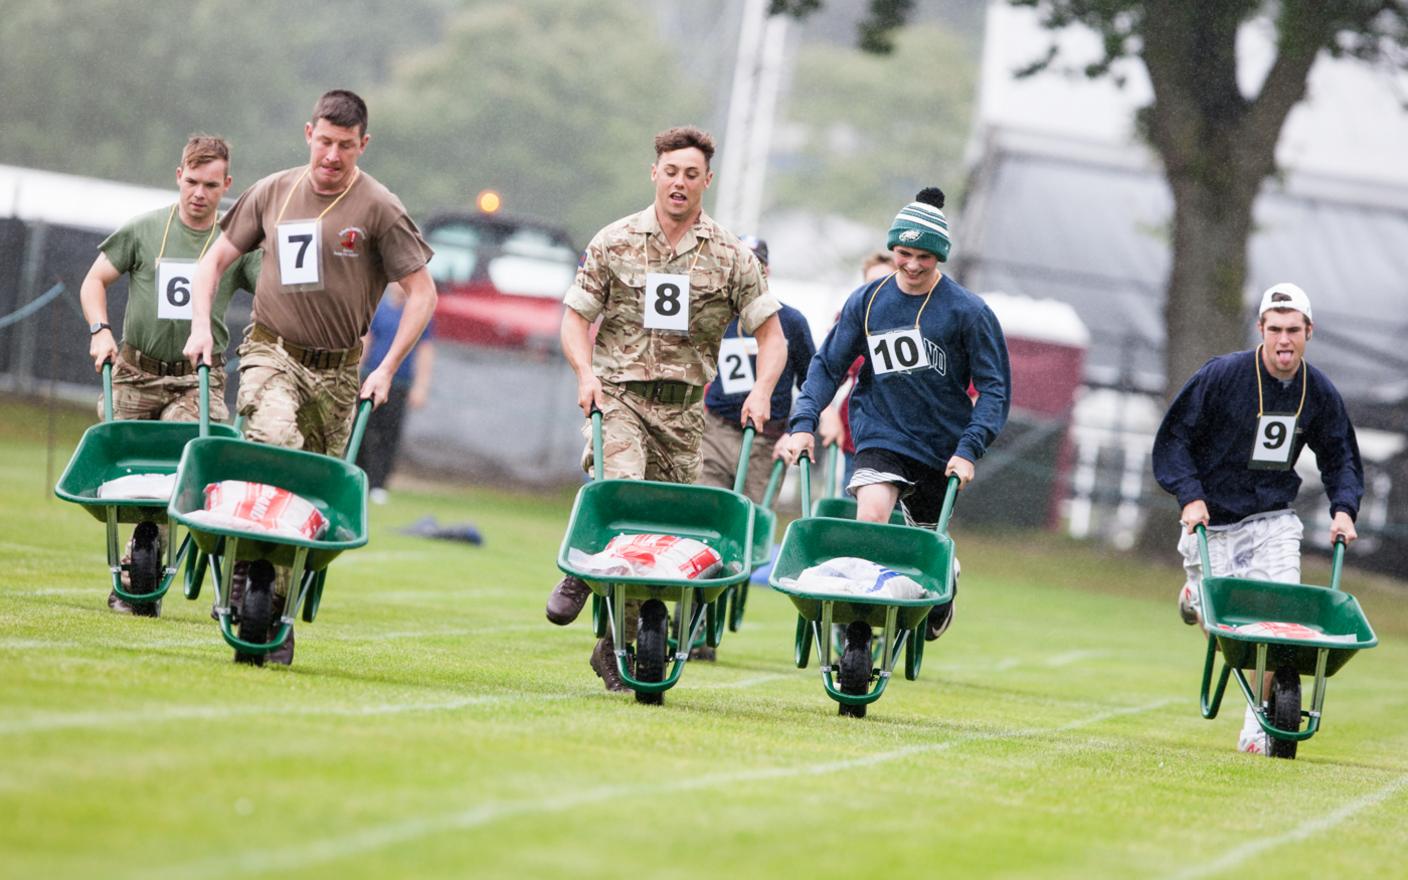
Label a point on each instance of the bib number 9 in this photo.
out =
(1275, 441)
(666, 302)
(899, 351)
(173, 289)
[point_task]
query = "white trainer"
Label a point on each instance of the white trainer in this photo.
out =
(1252, 739)
(1190, 606)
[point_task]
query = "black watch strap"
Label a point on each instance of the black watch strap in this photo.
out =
(95, 329)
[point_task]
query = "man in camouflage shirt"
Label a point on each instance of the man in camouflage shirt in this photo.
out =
(665, 283)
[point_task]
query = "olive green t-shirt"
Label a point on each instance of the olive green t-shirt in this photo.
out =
(365, 240)
(134, 250)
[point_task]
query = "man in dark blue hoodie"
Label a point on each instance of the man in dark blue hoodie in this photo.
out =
(926, 340)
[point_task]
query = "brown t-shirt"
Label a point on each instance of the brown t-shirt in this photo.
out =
(366, 241)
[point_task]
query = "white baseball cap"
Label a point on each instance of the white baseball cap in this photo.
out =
(1285, 296)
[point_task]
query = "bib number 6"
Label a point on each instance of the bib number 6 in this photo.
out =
(173, 289)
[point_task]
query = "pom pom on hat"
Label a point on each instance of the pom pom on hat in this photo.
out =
(921, 225)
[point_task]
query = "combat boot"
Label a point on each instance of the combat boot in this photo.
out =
(604, 665)
(566, 600)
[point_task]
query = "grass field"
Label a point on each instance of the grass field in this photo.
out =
(434, 725)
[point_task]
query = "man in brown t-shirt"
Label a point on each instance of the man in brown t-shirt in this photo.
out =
(333, 239)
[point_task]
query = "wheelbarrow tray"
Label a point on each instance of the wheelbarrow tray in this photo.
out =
(117, 449)
(845, 508)
(924, 555)
(1230, 602)
(338, 489)
(607, 508)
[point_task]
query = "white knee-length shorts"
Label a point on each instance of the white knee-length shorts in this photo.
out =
(1264, 547)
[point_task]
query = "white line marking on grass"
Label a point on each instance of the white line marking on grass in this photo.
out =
(1070, 657)
(744, 682)
(74, 720)
(382, 836)
(1306, 829)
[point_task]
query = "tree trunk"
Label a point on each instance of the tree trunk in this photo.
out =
(1204, 308)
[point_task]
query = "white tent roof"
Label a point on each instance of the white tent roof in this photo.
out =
(67, 199)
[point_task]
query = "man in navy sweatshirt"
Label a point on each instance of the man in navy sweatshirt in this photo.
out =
(1227, 450)
(925, 340)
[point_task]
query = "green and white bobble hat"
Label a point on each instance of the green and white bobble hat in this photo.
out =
(922, 225)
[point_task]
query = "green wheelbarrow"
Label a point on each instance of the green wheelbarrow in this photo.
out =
(113, 449)
(335, 486)
(928, 557)
(833, 502)
(1289, 630)
(605, 509)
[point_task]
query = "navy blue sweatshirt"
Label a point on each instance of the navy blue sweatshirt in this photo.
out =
(924, 414)
(800, 349)
(1205, 442)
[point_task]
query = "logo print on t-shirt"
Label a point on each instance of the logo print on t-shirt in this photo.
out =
(938, 358)
(349, 241)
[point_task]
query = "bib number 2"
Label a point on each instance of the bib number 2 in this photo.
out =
(173, 289)
(299, 245)
(1275, 440)
(735, 365)
(899, 351)
(667, 302)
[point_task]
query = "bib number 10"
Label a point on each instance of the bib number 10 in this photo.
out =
(898, 351)
(666, 302)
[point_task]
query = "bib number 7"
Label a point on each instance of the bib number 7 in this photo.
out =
(300, 249)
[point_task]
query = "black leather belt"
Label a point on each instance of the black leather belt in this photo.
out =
(312, 358)
(666, 392)
(148, 364)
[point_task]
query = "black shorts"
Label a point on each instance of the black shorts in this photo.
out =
(921, 487)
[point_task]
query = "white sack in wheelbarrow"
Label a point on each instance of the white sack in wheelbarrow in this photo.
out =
(851, 576)
(151, 487)
(662, 556)
(238, 504)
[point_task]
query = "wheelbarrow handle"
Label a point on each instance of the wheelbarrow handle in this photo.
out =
(774, 482)
(107, 390)
(950, 496)
(359, 427)
(805, 462)
(203, 372)
(598, 466)
(744, 452)
(1337, 562)
(1203, 549)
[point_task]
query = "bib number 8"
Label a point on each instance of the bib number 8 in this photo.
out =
(667, 300)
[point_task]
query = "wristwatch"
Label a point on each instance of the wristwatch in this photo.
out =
(97, 326)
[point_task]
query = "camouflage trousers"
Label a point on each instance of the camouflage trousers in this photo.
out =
(647, 440)
(287, 404)
(143, 396)
(723, 441)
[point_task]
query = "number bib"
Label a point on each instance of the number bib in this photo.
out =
(173, 289)
(299, 243)
(899, 351)
(735, 367)
(1275, 440)
(667, 302)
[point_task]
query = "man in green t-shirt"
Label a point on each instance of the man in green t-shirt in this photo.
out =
(158, 252)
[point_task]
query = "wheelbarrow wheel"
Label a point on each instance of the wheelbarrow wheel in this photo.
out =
(144, 569)
(1285, 710)
(855, 666)
(256, 610)
(652, 643)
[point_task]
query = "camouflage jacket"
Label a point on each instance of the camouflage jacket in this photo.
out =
(724, 280)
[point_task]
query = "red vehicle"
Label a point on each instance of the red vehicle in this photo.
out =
(500, 279)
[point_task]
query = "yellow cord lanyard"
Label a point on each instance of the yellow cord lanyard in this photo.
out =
(876, 293)
(356, 173)
(1260, 404)
(208, 239)
(699, 249)
(1273, 444)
